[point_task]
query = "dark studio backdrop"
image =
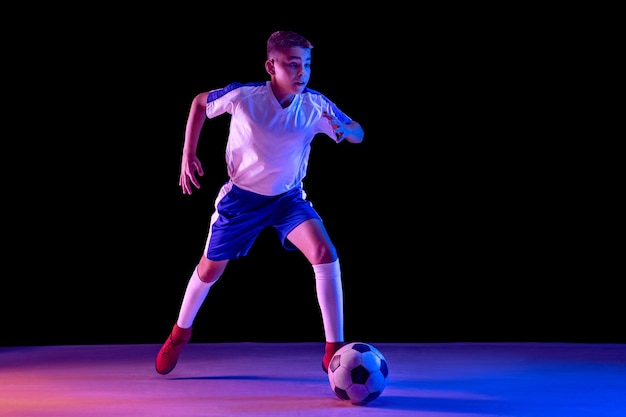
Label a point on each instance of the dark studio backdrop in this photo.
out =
(457, 219)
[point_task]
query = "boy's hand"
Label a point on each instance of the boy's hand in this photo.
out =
(189, 167)
(338, 127)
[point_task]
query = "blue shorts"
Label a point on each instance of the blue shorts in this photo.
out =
(241, 215)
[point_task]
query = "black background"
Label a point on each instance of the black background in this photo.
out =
(467, 213)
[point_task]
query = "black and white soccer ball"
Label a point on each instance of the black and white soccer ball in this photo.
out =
(358, 372)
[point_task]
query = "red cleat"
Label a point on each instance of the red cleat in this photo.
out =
(331, 348)
(168, 355)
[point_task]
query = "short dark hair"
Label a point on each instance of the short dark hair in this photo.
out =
(284, 39)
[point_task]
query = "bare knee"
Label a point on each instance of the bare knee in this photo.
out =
(322, 254)
(210, 271)
(311, 238)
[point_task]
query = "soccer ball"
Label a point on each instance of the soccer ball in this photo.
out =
(358, 373)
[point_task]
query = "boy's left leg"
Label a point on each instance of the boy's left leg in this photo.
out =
(330, 299)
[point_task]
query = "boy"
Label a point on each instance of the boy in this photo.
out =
(271, 128)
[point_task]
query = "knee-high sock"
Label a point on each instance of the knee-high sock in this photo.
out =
(330, 299)
(196, 292)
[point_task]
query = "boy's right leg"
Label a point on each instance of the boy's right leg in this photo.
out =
(195, 294)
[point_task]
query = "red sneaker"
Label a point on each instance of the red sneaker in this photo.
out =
(331, 348)
(168, 355)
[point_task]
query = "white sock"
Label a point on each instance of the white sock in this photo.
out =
(196, 292)
(330, 299)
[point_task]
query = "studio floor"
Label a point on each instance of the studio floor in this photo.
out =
(286, 379)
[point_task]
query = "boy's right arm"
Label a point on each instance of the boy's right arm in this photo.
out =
(190, 164)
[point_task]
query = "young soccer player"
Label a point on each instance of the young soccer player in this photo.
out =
(272, 125)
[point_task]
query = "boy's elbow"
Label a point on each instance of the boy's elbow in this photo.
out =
(357, 134)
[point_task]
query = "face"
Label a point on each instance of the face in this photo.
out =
(290, 69)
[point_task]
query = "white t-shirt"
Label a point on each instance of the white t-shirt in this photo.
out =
(268, 147)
